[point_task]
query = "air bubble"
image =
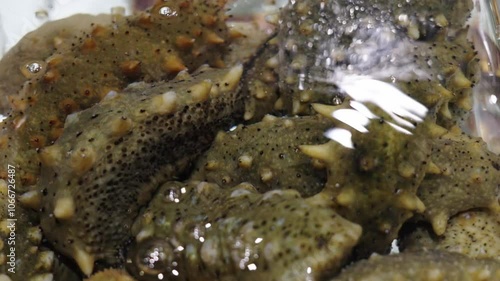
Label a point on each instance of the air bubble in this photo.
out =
(167, 11)
(33, 69)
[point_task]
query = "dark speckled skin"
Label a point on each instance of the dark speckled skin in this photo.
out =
(422, 266)
(94, 180)
(146, 47)
(267, 155)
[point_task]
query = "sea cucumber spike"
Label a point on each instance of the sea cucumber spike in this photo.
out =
(212, 38)
(445, 112)
(120, 126)
(266, 175)
(432, 168)
(346, 197)
(272, 62)
(211, 165)
(31, 199)
(231, 79)
(183, 75)
(201, 91)
(441, 20)
(439, 222)
(260, 91)
(245, 161)
(279, 104)
(184, 42)
(131, 68)
(64, 207)
(410, 202)
(406, 170)
(321, 152)
(325, 110)
(84, 260)
(214, 91)
(459, 81)
(51, 155)
(82, 160)
(165, 103)
(465, 102)
(173, 64)
(434, 130)
(45, 261)
(296, 106)
(269, 118)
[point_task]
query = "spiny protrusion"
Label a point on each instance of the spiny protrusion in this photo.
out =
(266, 175)
(245, 161)
(84, 260)
(131, 68)
(324, 110)
(173, 64)
(432, 168)
(45, 261)
(213, 38)
(232, 78)
(34, 235)
(439, 222)
(459, 81)
(64, 207)
(201, 91)
(165, 103)
(434, 130)
(268, 118)
(120, 126)
(406, 170)
(346, 197)
(322, 152)
(211, 165)
(31, 199)
(410, 202)
(184, 42)
(82, 160)
(51, 155)
(441, 20)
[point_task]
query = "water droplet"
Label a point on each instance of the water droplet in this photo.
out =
(167, 11)
(34, 67)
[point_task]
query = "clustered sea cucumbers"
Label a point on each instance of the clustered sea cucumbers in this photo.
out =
(194, 229)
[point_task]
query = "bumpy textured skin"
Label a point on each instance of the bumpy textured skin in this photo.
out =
(151, 46)
(34, 262)
(467, 177)
(111, 157)
(474, 233)
(267, 155)
(318, 40)
(262, 84)
(422, 266)
(38, 45)
(111, 275)
(203, 232)
(375, 184)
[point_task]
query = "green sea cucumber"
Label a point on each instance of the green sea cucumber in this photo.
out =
(112, 156)
(201, 231)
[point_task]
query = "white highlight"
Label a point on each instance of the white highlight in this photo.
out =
(365, 89)
(352, 118)
(2, 117)
(493, 99)
(341, 136)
